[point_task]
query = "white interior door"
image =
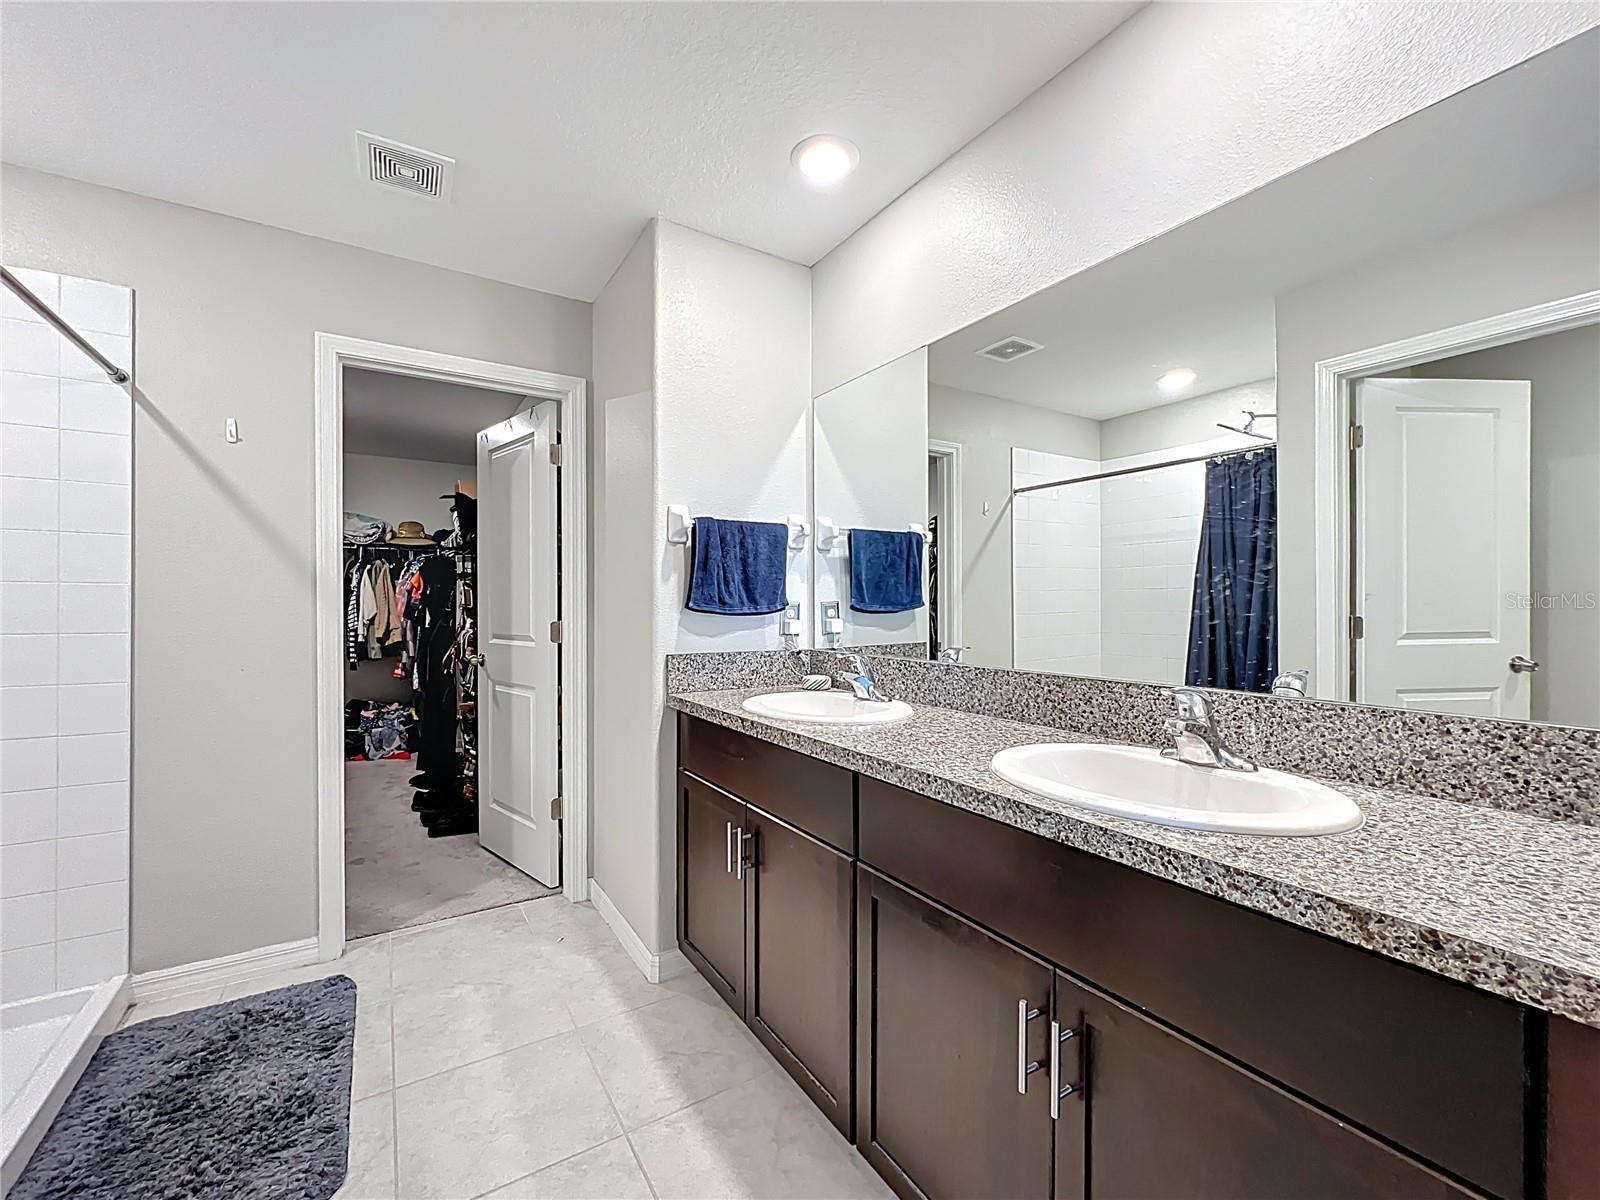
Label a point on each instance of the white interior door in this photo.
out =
(519, 774)
(1442, 536)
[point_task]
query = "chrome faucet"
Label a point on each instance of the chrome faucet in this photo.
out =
(1195, 737)
(857, 677)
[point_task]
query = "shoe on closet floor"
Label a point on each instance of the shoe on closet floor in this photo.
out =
(454, 824)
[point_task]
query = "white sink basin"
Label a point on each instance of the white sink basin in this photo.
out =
(826, 708)
(1126, 781)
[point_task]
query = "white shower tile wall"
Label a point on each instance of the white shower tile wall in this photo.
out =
(1056, 558)
(1149, 539)
(66, 457)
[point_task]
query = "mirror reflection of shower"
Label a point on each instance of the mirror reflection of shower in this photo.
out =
(1274, 448)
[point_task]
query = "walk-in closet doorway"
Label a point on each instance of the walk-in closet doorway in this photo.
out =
(517, 586)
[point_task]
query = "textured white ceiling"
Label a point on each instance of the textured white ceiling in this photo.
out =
(572, 124)
(1202, 295)
(399, 416)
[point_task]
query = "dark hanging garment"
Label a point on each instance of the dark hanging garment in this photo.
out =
(1233, 626)
(436, 734)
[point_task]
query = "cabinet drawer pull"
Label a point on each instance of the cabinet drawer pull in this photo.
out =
(1057, 1092)
(1025, 1013)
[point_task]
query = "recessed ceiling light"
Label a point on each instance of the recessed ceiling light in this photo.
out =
(825, 159)
(1176, 380)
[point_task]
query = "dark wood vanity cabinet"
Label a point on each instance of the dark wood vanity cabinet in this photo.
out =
(711, 906)
(1151, 1113)
(766, 906)
(905, 960)
(1439, 1068)
(956, 1069)
(948, 1019)
(799, 911)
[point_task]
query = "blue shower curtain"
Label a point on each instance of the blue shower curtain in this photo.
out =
(1233, 626)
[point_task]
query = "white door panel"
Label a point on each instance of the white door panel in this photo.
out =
(518, 589)
(1483, 702)
(1442, 544)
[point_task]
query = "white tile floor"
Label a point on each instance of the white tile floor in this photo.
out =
(518, 1054)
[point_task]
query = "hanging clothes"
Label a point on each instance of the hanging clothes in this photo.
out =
(436, 680)
(353, 567)
(411, 596)
(377, 610)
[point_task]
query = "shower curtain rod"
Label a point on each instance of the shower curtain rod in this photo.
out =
(1176, 462)
(117, 374)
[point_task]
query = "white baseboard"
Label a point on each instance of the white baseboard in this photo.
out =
(223, 972)
(657, 968)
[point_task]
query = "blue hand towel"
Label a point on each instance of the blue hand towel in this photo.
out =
(739, 568)
(885, 571)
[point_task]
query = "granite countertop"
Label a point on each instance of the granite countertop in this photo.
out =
(1502, 901)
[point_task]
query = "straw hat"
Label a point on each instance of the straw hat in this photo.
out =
(410, 533)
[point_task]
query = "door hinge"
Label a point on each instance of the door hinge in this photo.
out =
(1358, 628)
(555, 631)
(555, 454)
(1358, 437)
(556, 812)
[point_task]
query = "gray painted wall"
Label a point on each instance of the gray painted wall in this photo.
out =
(1228, 97)
(987, 428)
(1530, 258)
(870, 471)
(626, 825)
(1565, 511)
(1185, 422)
(224, 784)
(701, 352)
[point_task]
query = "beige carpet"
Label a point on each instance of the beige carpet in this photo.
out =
(395, 875)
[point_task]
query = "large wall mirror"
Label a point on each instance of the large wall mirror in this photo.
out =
(1339, 437)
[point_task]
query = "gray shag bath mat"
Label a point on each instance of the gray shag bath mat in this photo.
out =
(239, 1101)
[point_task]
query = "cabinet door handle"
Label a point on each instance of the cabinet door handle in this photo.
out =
(738, 856)
(1058, 1093)
(730, 847)
(1025, 1013)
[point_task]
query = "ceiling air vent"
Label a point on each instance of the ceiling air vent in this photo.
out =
(1009, 349)
(398, 165)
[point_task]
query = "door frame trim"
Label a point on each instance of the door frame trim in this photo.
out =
(334, 352)
(1334, 476)
(949, 455)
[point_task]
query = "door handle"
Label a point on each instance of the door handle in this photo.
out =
(730, 847)
(477, 660)
(1025, 1013)
(1058, 1093)
(1521, 665)
(738, 857)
